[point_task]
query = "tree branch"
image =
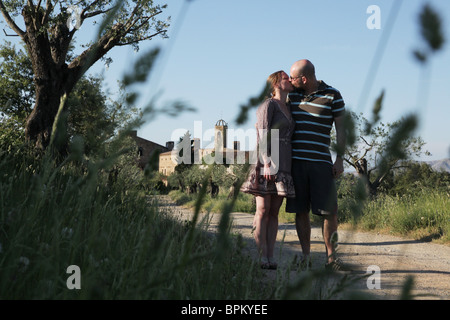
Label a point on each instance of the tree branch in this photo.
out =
(10, 35)
(133, 13)
(370, 145)
(140, 39)
(11, 22)
(84, 14)
(350, 163)
(93, 14)
(130, 21)
(87, 58)
(365, 154)
(146, 19)
(48, 10)
(89, 6)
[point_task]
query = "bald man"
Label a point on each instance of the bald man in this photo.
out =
(315, 107)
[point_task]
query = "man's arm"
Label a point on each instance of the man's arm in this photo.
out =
(338, 167)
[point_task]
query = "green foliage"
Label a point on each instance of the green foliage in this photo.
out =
(11, 133)
(424, 216)
(380, 147)
(138, 19)
(48, 39)
(223, 177)
(414, 199)
(16, 82)
(95, 212)
(396, 149)
(431, 31)
(243, 203)
(97, 216)
(413, 177)
(252, 103)
(375, 114)
(88, 112)
(91, 208)
(417, 205)
(96, 118)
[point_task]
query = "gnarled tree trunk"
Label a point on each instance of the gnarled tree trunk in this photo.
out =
(51, 80)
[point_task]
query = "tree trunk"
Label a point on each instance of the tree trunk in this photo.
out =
(53, 78)
(40, 121)
(49, 81)
(364, 174)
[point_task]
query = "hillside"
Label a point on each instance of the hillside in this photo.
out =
(440, 165)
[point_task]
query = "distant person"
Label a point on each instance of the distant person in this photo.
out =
(270, 178)
(315, 106)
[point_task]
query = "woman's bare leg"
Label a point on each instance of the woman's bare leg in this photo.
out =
(272, 225)
(260, 223)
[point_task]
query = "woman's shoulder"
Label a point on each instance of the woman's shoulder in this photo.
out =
(269, 103)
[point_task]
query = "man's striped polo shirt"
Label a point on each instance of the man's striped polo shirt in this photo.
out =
(314, 116)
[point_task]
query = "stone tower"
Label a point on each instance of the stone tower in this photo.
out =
(220, 135)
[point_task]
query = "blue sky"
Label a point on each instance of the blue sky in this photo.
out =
(223, 51)
(219, 54)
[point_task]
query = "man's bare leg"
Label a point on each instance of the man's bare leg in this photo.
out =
(303, 226)
(330, 223)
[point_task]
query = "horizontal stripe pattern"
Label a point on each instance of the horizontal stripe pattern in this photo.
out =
(314, 116)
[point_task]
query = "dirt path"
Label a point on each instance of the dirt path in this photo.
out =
(397, 258)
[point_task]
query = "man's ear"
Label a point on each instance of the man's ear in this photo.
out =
(303, 79)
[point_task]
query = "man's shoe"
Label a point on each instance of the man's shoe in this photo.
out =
(305, 264)
(336, 265)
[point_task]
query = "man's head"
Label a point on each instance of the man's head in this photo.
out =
(303, 74)
(279, 81)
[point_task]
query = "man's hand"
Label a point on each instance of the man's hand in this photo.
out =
(338, 167)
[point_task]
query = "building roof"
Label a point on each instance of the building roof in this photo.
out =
(221, 122)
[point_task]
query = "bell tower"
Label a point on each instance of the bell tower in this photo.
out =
(220, 135)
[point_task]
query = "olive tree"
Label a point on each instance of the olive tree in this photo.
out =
(47, 33)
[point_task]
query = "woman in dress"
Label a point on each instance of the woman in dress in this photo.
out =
(270, 178)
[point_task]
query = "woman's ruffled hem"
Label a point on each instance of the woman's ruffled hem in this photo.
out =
(257, 185)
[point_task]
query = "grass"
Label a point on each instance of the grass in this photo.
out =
(53, 216)
(96, 216)
(243, 203)
(423, 215)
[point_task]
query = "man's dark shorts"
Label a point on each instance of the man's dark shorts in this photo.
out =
(315, 188)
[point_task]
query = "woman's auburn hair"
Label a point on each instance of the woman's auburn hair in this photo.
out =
(273, 80)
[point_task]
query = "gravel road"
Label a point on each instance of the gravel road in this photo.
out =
(381, 262)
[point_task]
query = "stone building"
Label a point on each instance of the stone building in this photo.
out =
(168, 160)
(146, 149)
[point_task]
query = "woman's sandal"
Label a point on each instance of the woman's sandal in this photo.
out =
(265, 263)
(273, 265)
(268, 264)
